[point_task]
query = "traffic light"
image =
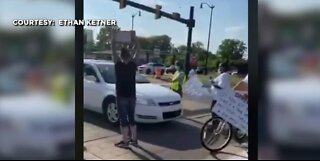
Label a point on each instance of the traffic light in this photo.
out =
(158, 11)
(175, 15)
(123, 3)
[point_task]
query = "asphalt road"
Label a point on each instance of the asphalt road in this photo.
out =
(179, 139)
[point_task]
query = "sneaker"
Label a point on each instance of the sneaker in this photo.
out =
(134, 142)
(122, 144)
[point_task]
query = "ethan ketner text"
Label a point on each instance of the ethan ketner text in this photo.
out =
(87, 22)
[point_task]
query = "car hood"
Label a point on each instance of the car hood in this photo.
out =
(155, 91)
(143, 66)
(34, 106)
(298, 90)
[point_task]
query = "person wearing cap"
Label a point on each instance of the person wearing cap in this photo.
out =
(125, 70)
(178, 79)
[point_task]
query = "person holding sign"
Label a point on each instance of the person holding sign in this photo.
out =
(125, 70)
(223, 80)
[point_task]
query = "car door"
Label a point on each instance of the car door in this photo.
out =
(90, 87)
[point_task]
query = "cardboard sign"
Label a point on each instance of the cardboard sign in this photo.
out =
(194, 88)
(233, 108)
(125, 37)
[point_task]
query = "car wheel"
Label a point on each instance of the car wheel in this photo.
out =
(162, 72)
(110, 111)
(148, 71)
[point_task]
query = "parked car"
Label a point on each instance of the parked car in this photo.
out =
(155, 103)
(171, 69)
(32, 124)
(150, 68)
(294, 100)
(200, 70)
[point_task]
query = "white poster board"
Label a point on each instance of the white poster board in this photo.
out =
(233, 108)
(194, 89)
(125, 37)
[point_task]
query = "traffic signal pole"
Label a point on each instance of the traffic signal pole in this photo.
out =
(189, 22)
(189, 49)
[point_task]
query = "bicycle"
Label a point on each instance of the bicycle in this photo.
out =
(217, 133)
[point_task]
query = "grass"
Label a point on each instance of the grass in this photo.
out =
(205, 78)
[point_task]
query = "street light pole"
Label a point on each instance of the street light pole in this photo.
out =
(207, 54)
(132, 19)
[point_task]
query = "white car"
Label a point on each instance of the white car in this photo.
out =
(150, 68)
(294, 103)
(155, 103)
(295, 112)
(33, 126)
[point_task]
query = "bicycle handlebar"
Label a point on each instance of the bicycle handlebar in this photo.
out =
(214, 84)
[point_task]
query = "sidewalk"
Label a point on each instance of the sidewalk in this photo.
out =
(179, 141)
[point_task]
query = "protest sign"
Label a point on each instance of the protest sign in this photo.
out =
(125, 37)
(194, 89)
(233, 108)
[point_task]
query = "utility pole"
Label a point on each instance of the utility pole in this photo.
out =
(207, 53)
(132, 19)
(189, 50)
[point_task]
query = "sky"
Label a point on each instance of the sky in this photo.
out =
(230, 19)
(229, 16)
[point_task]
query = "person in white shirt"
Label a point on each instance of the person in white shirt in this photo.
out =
(223, 80)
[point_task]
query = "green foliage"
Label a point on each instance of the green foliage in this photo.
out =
(104, 37)
(231, 49)
(162, 42)
(90, 47)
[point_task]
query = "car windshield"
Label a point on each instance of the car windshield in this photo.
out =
(281, 67)
(158, 65)
(108, 73)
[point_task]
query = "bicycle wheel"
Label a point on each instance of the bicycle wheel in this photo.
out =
(216, 134)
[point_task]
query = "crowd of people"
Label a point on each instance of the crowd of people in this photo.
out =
(125, 69)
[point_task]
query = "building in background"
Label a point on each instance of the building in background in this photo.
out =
(88, 35)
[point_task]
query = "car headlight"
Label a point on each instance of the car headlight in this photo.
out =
(145, 101)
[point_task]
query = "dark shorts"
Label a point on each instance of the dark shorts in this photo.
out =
(126, 111)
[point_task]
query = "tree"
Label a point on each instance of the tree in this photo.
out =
(89, 47)
(231, 49)
(104, 37)
(163, 42)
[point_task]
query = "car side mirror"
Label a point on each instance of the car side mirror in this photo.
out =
(91, 78)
